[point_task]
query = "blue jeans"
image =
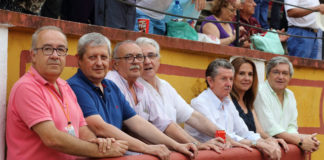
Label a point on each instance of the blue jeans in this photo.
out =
(302, 47)
(261, 12)
(156, 26)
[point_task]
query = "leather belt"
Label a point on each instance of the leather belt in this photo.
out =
(305, 28)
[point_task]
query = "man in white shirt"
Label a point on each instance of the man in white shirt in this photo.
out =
(302, 22)
(127, 65)
(276, 104)
(215, 104)
(167, 98)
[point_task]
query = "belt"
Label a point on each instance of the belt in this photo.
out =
(305, 28)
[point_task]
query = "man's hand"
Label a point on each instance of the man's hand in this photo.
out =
(271, 150)
(159, 150)
(188, 149)
(233, 143)
(277, 142)
(199, 4)
(118, 148)
(104, 144)
(283, 144)
(283, 38)
(310, 143)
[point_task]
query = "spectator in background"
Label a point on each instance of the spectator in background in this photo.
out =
(222, 10)
(302, 22)
(115, 14)
(245, 86)
(157, 20)
(261, 12)
(276, 106)
(78, 11)
(246, 12)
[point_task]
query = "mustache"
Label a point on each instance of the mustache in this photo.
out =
(134, 67)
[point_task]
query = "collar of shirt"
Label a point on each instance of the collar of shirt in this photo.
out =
(224, 103)
(139, 88)
(33, 72)
(273, 92)
(86, 80)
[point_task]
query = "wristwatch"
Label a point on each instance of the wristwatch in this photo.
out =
(300, 143)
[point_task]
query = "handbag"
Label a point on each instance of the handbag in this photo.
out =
(267, 42)
(181, 30)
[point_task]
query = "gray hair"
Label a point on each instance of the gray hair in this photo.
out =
(36, 33)
(279, 60)
(145, 40)
(119, 44)
(92, 39)
(212, 69)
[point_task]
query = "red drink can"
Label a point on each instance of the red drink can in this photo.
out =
(143, 25)
(221, 134)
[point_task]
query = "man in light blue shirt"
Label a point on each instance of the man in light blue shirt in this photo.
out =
(276, 104)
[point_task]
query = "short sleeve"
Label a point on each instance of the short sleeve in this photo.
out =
(292, 2)
(31, 105)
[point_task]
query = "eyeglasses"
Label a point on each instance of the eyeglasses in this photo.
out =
(277, 73)
(131, 58)
(48, 50)
(151, 55)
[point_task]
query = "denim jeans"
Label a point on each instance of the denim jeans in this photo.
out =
(302, 47)
(261, 12)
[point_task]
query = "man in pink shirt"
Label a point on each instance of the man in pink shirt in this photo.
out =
(44, 120)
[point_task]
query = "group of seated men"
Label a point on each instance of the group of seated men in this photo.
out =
(97, 113)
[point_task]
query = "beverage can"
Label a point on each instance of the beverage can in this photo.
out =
(221, 134)
(143, 25)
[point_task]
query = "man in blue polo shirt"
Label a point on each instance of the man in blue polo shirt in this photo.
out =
(105, 107)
